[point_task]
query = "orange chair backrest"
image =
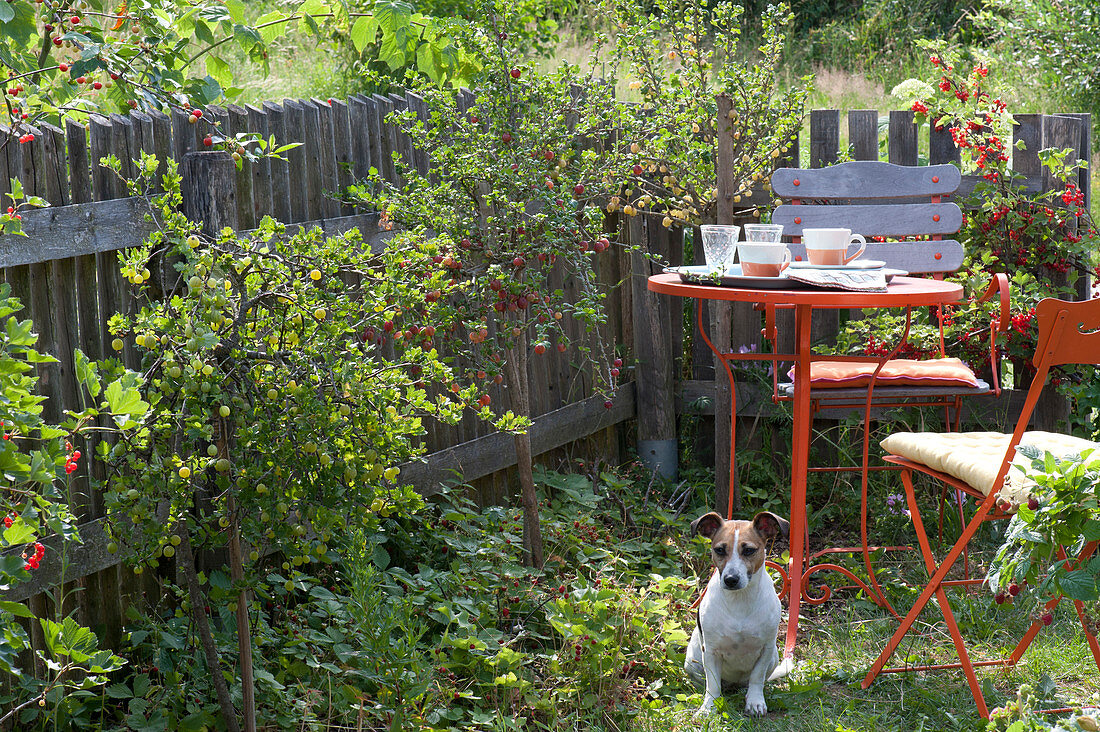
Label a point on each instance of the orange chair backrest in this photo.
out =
(1069, 332)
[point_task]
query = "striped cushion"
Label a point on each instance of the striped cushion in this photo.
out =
(896, 372)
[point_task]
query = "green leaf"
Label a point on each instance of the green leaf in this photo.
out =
(119, 691)
(219, 69)
(21, 27)
(203, 34)
(20, 333)
(19, 533)
(15, 608)
(36, 357)
(7, 12)
(1079, 585)
(1091, 531)
(392, 14)
(125, 403)
(363, 32)
(87, 372)
(273, 24)
(236, 10)
(380, 557)
(246, 36)
(314, 7)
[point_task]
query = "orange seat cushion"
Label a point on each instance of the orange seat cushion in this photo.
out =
(899, 371)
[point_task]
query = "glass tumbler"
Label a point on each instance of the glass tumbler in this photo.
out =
(719, 245)
(763, 232)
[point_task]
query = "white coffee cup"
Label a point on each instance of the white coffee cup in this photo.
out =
(830, 246)
(763, 259)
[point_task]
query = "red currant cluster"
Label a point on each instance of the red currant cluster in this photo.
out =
(35, 559)
(72, 456)
(1021, 322)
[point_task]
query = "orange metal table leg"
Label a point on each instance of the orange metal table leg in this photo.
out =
(800, 461)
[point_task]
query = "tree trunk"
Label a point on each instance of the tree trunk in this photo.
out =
(516, 366)
(198, 613)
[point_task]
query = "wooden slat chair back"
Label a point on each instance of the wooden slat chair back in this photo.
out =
(877, 199)
(1068, 333)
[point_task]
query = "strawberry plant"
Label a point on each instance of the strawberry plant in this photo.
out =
(1063, 511)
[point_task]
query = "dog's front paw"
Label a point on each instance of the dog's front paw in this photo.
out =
(755, 705)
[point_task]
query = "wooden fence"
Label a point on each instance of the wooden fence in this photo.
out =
(67, 275)
(66, 272)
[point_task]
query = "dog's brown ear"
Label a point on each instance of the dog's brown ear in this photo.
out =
(768, 525)
(707, 524)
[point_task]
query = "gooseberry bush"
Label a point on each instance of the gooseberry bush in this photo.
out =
(275, 402)
(681, 57)
(510, 210)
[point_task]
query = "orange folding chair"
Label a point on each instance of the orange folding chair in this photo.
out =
(1069, 333)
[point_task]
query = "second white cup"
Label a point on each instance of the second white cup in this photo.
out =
(829, 247)
(763, 259)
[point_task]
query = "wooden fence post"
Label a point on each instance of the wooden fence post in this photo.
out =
(656, 404)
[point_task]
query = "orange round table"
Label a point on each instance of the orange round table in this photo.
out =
(900, 292)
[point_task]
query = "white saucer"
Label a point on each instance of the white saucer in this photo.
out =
(854, 264)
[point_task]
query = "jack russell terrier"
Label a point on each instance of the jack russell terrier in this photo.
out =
(734, 641)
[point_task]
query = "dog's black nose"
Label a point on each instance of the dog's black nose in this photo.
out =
(731, 582)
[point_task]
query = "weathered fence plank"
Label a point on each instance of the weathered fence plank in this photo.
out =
(824, 137)
(297, 172)
(902, 138)
(863, 133)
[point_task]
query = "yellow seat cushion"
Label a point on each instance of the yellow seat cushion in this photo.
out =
(896, 372)
(975, 457)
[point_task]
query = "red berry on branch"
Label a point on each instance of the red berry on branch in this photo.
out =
(578, 190)
(506, 138)
(618, 362)
(540, 348)
(208, 141)
(608, 404)
(516, 73)
(63, 67)
(1047, 618)
(518, 262)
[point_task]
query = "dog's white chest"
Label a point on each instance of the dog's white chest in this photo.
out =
(737, 627)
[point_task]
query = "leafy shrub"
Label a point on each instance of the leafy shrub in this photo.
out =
(39, 466)
(430, 621)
